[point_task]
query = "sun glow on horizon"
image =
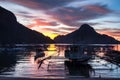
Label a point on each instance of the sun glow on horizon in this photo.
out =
(52, 50)
(47, 33)
(51, 35)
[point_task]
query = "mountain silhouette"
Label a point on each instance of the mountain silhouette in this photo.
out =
(85, 35)
(12, 32)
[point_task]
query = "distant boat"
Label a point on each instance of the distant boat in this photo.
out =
(77, 53)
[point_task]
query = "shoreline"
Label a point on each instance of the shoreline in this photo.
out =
(70, 78)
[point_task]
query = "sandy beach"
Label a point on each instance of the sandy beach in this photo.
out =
(74, 78)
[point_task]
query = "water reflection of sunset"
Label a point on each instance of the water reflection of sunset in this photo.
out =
(52, 47)
(26, 66)
(117, 47)
(101, 54)
(51, 50)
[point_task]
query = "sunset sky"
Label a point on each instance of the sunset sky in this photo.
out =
(54, 17)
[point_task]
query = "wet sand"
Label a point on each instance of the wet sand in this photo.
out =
(73, 78)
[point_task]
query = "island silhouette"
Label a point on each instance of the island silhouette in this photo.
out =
(86, 35)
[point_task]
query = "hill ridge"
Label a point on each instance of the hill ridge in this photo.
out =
(86, 35)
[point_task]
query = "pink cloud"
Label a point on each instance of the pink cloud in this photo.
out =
(27, 3)
(98, 9)
(40, 22)
(111, 32)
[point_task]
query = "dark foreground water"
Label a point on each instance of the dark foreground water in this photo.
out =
(19, 61)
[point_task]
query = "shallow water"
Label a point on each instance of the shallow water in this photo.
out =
(19, 61)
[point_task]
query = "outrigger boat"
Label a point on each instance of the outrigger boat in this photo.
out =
(77, 53)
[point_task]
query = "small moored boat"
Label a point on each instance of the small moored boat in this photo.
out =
(77, 53)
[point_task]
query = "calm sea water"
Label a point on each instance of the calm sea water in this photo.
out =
(19, 61)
